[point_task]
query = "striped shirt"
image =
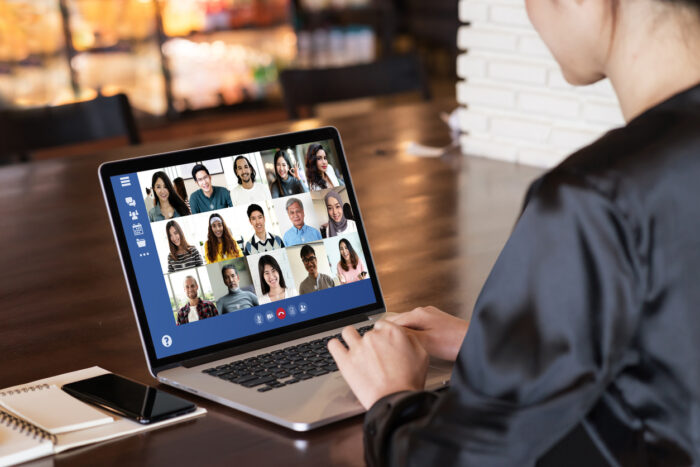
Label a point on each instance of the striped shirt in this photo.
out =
(187, 260)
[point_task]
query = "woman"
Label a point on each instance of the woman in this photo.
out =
(350, 267)
(337, 222)
(319, 171)
(182, 254)
(220, 244)
(179, 185)
(167, 203)
(584, 344)
(286, 182)
(272, 281)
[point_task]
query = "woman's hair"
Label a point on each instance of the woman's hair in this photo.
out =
(266, 260)
(179, 185)
(315, 177)
(175, 201)
(183, 242)
(354, 259)
(230, 246)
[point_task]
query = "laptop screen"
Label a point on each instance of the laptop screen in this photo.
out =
(240, 244)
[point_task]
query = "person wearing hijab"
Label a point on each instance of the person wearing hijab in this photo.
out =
(337, 222)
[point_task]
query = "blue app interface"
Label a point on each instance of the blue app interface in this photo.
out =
(235, 246)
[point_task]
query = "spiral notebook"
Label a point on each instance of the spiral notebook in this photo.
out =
(54, 427)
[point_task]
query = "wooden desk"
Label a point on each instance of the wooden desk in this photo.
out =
(435, 227)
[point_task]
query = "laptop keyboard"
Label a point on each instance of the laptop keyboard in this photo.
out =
(282, 367)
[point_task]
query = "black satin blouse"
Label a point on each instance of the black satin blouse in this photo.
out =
(584, 346)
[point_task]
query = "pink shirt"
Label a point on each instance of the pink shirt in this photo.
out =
(351, 275)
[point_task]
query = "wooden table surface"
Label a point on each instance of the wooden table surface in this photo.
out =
(435, 227)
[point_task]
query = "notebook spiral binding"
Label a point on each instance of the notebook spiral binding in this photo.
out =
(37, 387)
(16, 423)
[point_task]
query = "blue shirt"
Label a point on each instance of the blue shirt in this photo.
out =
(155, 214)
(220, 198)
(296, 236)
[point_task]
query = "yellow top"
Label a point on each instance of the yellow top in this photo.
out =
(219, 254)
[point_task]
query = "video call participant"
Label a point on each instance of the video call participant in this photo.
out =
(236, 299)
(350, 267)
(299, 232)
(337, 222)
(179, 185)
(220, 244)
(286, 182)
(261, 241)
(208, 197)
(315, 280)
(272, 281)
(319, 171)
(167, 204)
(182, 254)
(195, 308)
(247, 191)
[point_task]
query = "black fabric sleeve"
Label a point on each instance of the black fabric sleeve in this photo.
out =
(546, 337)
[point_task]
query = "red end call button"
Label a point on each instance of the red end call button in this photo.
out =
(281, 314)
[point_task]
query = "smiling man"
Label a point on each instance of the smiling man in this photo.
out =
(236, 299)
(195, 309)
(299, 232)
(315, 280)
(208, 197)
(262, 240)
(247, 191)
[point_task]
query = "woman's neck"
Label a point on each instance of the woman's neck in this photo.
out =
(653, 54)
(276, 290)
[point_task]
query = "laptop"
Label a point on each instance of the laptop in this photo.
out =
(239, 281)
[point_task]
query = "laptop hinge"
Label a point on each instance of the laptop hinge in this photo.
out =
(241, 349)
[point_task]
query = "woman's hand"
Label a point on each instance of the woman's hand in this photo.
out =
(441, 334)
(386, 360)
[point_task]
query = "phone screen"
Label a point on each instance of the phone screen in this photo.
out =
(134, 400)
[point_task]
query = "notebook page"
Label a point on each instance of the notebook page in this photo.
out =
(18, 444)
(52, 409)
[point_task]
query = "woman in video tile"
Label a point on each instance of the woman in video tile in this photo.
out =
(319, 171)
(182, 254)
(220, 244)
(350, 267)
(286, 181)
(167, 203)
(337, 222)
(272, 281)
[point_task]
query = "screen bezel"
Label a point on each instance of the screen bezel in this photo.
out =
(138, 164)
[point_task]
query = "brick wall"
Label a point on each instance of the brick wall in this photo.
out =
(516, 105)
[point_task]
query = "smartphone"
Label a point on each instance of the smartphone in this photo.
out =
(128, 398)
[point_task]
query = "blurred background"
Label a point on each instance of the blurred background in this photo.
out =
(197, 60)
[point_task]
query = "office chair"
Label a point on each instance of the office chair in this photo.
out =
(391, 75)
(25, 130)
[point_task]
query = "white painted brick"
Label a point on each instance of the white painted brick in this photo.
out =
(470, 66)
(472, 10)
(555, 79)
(544, 158)
(603, 112)
(520, 128)
(470, 93)
(509, 15)
(517, 72)
(533, 45)
(477, 146)
(469, 37)
(558, 106)
(471, 121)
(570, 139)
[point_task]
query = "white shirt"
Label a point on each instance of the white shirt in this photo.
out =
(243, 197)
(192, 316)
(288, 292)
